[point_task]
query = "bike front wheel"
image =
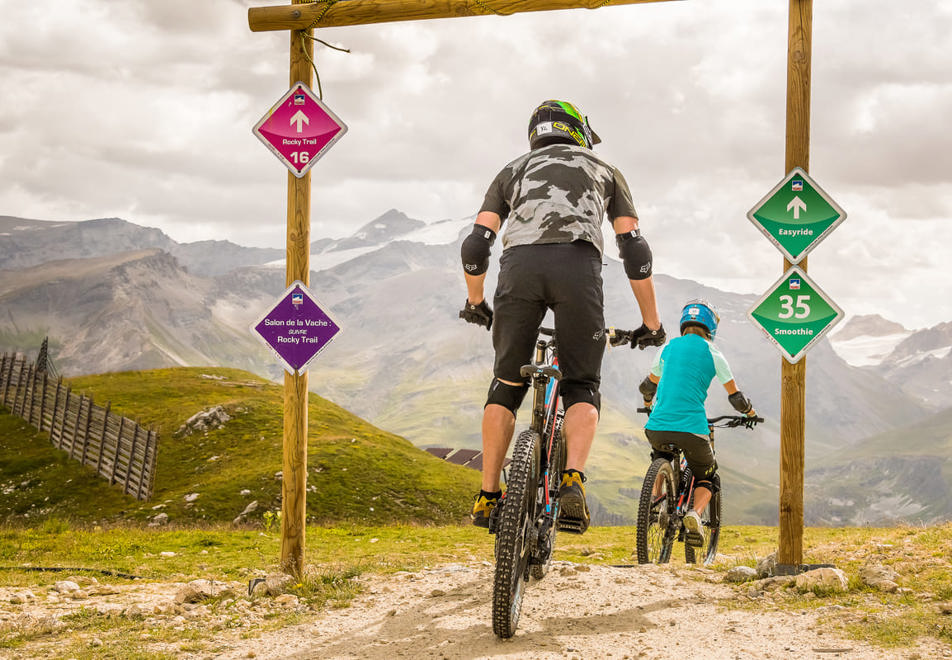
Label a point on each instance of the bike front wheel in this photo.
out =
(711, 521)
(654, 536)
(513, 545)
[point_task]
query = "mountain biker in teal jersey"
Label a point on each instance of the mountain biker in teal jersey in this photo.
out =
(678, 382)
(555, 198)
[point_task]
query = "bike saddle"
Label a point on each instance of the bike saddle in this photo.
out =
(528, 370)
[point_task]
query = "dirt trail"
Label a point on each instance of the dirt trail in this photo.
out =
(577, 611)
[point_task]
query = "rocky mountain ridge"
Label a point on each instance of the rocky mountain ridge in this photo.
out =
(404, 360)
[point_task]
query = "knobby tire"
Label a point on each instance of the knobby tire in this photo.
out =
(538, 571)
(513, 549)
(654, 536)
(712, 532)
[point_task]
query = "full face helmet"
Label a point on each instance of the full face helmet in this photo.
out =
(700, 313)
(557, 121)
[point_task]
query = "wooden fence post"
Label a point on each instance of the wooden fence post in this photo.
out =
(102, 438)
(132, 456)
(20, 397)
(46, 378)
(69, 393)
(115, 455)
(89, 420)
(79, 415)
(3, 379)
(147, 461)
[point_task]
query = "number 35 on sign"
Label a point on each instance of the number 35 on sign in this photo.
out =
(795, 314)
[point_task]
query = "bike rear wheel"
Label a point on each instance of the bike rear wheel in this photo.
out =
(654, 536)
(556, 465)
(513, 535)
(712, 532)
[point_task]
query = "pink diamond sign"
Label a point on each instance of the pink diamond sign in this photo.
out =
(299, 129)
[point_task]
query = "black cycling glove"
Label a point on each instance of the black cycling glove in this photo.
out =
(643, 337)
(481, 314)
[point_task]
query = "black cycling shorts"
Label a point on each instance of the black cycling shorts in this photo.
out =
(563, 277)
(697, 450)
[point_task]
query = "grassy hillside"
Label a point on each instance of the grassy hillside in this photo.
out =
(909, 468)
(356, 472)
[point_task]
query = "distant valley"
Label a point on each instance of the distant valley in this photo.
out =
(114, 296)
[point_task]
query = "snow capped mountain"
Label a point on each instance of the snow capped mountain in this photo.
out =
(866, 340)
(120, 297)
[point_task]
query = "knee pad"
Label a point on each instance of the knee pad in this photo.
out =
(711, 480)
(635, 254)
(579, 393)
(507, 396)
(710, 485)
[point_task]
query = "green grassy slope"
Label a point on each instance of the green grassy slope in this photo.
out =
(356, 472)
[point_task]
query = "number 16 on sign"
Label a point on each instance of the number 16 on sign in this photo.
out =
(795, 314)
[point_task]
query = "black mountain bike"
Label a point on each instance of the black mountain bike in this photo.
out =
(527, 517)
(667, 494)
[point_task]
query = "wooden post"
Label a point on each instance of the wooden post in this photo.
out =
(46, 378)
(79, 416)
(89, 420)
(3, 379)
(793, 376)
(102, 437)
(132, 456)
(363, 12)
(146, 464)
(30, 389)
(294, 475)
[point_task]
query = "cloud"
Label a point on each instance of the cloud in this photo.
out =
(144, 110)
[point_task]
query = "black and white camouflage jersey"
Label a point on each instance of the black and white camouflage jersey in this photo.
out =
(557, 194)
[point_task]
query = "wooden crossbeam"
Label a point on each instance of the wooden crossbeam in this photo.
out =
(361, 12)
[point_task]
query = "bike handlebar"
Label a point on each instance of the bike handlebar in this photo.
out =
(614, 336)
(729, 421)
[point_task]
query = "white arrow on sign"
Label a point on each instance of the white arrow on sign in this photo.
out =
(301, 118)
(796, 204)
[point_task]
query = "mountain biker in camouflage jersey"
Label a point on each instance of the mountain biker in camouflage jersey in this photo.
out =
(555, 197)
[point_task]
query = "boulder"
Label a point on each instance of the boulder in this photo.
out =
(879, 577)
(767, 567)
(65, 587)
(159, 520)
(740, 574)
(823, 580)
(199, 590)
(204, 421)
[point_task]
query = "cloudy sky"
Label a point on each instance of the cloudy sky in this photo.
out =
(143, 110)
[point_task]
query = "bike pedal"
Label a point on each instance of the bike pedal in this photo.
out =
(494, 518)
(571, 526)
(693, 540)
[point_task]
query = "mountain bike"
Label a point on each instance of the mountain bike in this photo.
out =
(526, 520)
(667, 494)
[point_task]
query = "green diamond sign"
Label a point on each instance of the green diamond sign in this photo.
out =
(796, 215)
(795, 313)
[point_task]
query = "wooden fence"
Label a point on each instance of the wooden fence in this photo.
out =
(117, 448)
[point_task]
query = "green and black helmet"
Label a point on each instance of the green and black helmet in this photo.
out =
(557, 121)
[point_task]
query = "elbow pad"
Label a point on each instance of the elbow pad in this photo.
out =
(740, 402)
(475, 250)
(648, 388)
(635, 254)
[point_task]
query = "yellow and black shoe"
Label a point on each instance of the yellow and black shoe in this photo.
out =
(573, 510)
(483, 507)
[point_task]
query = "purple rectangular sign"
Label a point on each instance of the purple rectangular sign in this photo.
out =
(296, 328)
